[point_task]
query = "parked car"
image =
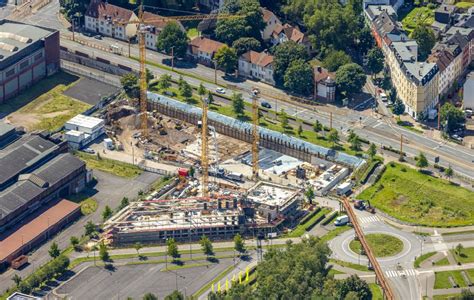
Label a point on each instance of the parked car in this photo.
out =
(341, 220)
(456, 137)
(98, 37)
(88, 150)
(87, 33)
(220, 90)
(266, 104)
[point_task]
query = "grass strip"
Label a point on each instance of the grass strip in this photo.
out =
(111, 166)
(350, 265)
(422, 258)
(207, 286)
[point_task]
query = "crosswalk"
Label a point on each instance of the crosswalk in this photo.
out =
(394, 273)
(369, 219)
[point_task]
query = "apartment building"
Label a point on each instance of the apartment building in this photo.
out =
(271, 22)
(203, 50)
(155, 25)
(257, 65)
(110, 20)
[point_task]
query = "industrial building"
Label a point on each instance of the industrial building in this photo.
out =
(81, 130)
(27, 54)
(35, 171)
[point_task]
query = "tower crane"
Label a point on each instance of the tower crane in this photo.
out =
(204, 151)
(255, 137)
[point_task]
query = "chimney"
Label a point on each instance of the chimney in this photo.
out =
(319, 69)
(420, 72)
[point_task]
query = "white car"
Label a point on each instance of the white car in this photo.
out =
(220, 90)
(88, 150)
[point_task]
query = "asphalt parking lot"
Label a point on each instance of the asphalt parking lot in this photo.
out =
(90, 91)
(136, 280)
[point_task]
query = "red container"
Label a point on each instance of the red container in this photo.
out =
(183, 172)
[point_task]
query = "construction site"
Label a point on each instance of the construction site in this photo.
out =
(232, 176)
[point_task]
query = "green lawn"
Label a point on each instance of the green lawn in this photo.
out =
(414, 197)
(110, 166)
(442, 262)
(464, 4)
(442, 279)
(335, 232)
(447, 297)
(422, 258)
(192, 33)
(302, 228)
(376, 291)
(333, 272)
(88, 204)
(418, 14)
(357, 267)
(382, 245)
(467, 255)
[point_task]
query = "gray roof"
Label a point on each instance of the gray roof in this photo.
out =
(339, 157)
(5, 128)
(463, 31)
(58, 168)
(375, 10)
(22, 155)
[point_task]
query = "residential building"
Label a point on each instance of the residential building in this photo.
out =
(386, 30)
(35, 172)
(396, 4)
(81, 130)
(445, 13)
(325, 84)
(271, 22)
(373, 11)
(257, 65)
(447, 58)
(155, 24)
(468, 93)
(286, 32)
(203, 49)
(27, 54)
(110, 20)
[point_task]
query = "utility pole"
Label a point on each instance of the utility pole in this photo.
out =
(73, 29)
(439, 116)
(172, 58)
(401, 147)
(215, 72)
(129, 47)
(330, 120)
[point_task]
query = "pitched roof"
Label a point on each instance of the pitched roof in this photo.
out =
(206, 45)
(442, 58)
(158, 21)
(262, 59)
(105, 11)
(321, 74)
(267, 14)
(292, 33)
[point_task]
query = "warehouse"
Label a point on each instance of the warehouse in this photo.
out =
(27, 54)
(37, 230)
(36, 171)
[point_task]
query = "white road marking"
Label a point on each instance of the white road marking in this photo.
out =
(370, 219)
(407, 272)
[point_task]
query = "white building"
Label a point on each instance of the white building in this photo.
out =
(203, 49)
(155, 25)
(81, 130)
(257, 65)
(271, 21)
(329, 179)
(468, 94)
(110, 20)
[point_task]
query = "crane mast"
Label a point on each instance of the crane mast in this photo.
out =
(204, 151)
(143, 83)
(255, 137)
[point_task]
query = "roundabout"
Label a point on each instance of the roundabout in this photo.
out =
(383, 245)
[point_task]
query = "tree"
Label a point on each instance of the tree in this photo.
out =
(285, 54)
(459, 249)
(425, 38)
(317, 127)
(172, 37)
(90, 229)
(16, 279)
(149, 76)
(239, 244)
(149, 296)
(201, 90)
(124, 203)
(375, 60)
(451, 116)
(206, 246)
(333, 137)
(372, 151)
(164, 82)
(54, 250)
(210, 98)
(107, 213)
(365, 40)
(284, 119)
(176, 295)
(354, 140)
(246, 44)
(103, 253)
(299, 77)
(350, 78)
(421, 162)
(226, 59)
(181, 81)
(172, 248)
(300, 129)
(309, 194)
(137, 247)
(74, 242)
(398, 107)
(356, 285)
(449, 172)
(335, 59)
(230, 30)
(186, 91)
(238, 104)
(129, 82)
(466, 294)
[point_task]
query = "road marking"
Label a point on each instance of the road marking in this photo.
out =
(394, 273)
(370, 219)
(378, 124)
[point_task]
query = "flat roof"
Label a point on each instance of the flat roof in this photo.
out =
(36, 227)
(5, 128)
(271, 194)
(85, 121)
(15, 37)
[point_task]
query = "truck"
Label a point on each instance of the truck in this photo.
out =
(235, 176)
(341, 220)
(344, 188)
(19, 262)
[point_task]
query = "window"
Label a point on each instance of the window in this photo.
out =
(10, 72)
(24, 64)
(38, 56)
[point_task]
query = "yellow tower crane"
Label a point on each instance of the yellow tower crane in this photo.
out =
(141, 22)
(255, 137)
(204, 150)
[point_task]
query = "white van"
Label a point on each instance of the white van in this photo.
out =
(341, 220)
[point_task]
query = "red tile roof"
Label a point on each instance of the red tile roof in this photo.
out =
(321, 74)
(103, 11)
(36, 227)
(292, 33)
(206, 45)
(158, 21)
(262, 59)
(267, 14)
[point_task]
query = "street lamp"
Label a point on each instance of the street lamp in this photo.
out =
(172, 58)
